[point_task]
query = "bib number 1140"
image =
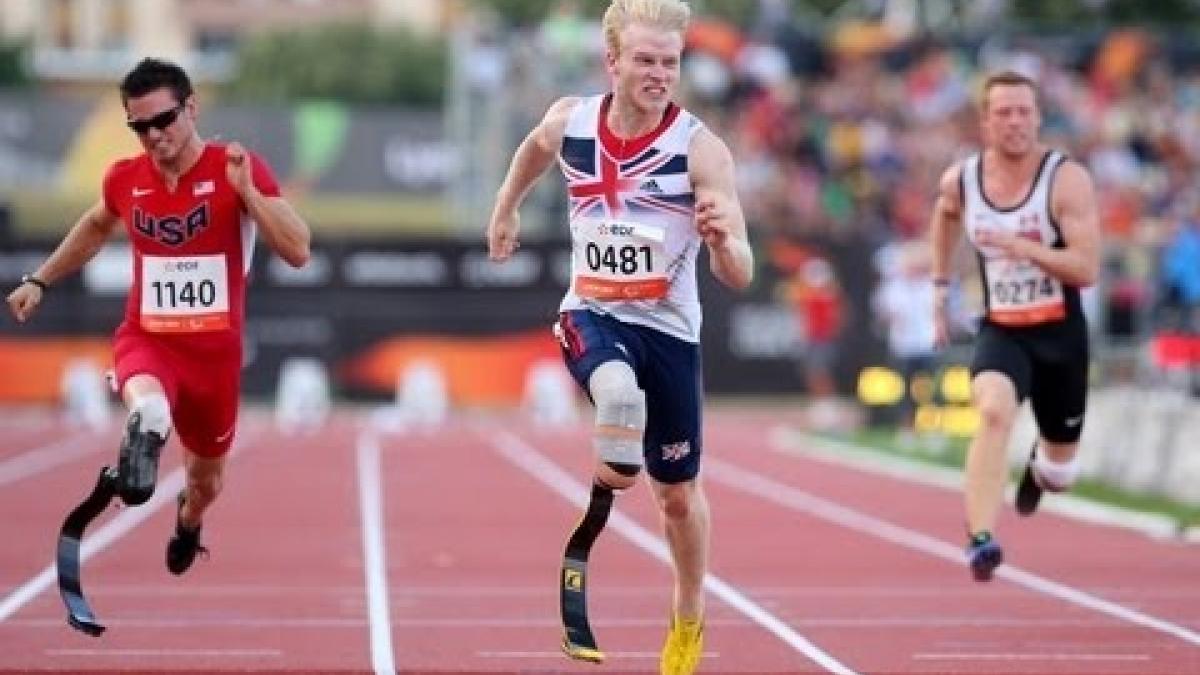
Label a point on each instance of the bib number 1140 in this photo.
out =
(185, 294)
(190, 294)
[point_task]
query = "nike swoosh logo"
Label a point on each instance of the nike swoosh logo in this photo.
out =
(1074, 421)
(224, 437)
(137, 192)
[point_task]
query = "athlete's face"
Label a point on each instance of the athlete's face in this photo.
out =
(1011, 119)
(645, 71)
(163, 125)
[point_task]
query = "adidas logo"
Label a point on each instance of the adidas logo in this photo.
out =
(650, 186)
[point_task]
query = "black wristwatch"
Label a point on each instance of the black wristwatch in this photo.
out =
(30, 279)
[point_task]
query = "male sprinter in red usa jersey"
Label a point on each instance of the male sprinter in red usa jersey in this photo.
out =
(178, 352)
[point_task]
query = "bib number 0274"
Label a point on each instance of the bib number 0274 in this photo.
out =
(626, 259)
(1018, 292)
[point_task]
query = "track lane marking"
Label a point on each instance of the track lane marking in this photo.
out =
(166, 653)
(558, 655)
(370, 503)
(793, 443)
(527, 458)
(967, 656)
(123, 523)
(45, 457)
(768, 489)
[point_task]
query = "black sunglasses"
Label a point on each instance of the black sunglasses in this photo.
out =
(160, 121)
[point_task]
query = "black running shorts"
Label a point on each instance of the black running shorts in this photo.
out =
(1047, 364)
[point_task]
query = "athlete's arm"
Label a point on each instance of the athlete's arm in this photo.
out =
(945, 224)
(719, 216)
(82, 242)
(281, 227)
(535, 154)
(1073, 205)
(945, 229)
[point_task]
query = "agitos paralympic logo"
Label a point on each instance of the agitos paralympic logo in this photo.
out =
(172, 230)
(673, 452)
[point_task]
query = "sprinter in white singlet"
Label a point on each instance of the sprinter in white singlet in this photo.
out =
(1030, 213)
(648, 185)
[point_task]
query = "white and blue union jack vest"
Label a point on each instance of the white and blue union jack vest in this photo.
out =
(632, 216)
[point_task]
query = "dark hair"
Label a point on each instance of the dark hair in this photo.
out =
(151, 74)
(1009, 78)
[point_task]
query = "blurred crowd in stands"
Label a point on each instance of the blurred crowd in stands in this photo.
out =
(840, 138)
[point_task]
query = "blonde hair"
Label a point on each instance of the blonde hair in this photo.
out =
(670, 15)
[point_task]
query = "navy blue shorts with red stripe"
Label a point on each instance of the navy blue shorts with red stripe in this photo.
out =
(667, 369)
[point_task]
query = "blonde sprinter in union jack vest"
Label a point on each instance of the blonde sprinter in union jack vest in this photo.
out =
(1030, 213)
(648, 186)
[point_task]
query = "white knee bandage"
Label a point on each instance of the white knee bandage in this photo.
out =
(155, 412)
(1055, 476)
(620, 413)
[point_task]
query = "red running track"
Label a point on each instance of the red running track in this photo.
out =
(437, 551)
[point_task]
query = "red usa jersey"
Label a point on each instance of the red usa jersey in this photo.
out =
(191, 246)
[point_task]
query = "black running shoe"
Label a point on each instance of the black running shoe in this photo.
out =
(984, 555)
(137, 465)
(1029, 493)
(184, 545)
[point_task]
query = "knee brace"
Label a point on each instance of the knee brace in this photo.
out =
(154, 414)
(620, 417)
(145, 435)
(1055, 476)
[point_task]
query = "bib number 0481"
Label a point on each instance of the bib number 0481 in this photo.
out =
(626, 259)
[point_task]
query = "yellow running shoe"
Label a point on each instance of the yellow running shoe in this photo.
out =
(681, 653)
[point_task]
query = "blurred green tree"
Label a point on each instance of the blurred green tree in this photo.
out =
(352, 63)
(1177, 13)
(13, 70)
(531, 12)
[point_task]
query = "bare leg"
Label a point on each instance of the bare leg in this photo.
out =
(687, 527)
(987, 457)
(204, 482)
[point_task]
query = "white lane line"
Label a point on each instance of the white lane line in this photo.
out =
(535, 622)
(798, 500)
(46, 457)
(550, 474)
(113, 530)
(166, 653)
(370, 503)
(558, 655)
(842, 453)
(966, 656)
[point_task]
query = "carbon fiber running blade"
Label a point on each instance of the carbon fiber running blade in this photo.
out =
(578, 641)
(70, 585)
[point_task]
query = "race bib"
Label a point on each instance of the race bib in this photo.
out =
(619, 260)
(1021, 294)
(184, 294)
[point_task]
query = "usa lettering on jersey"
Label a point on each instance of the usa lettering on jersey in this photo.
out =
(172, 230)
